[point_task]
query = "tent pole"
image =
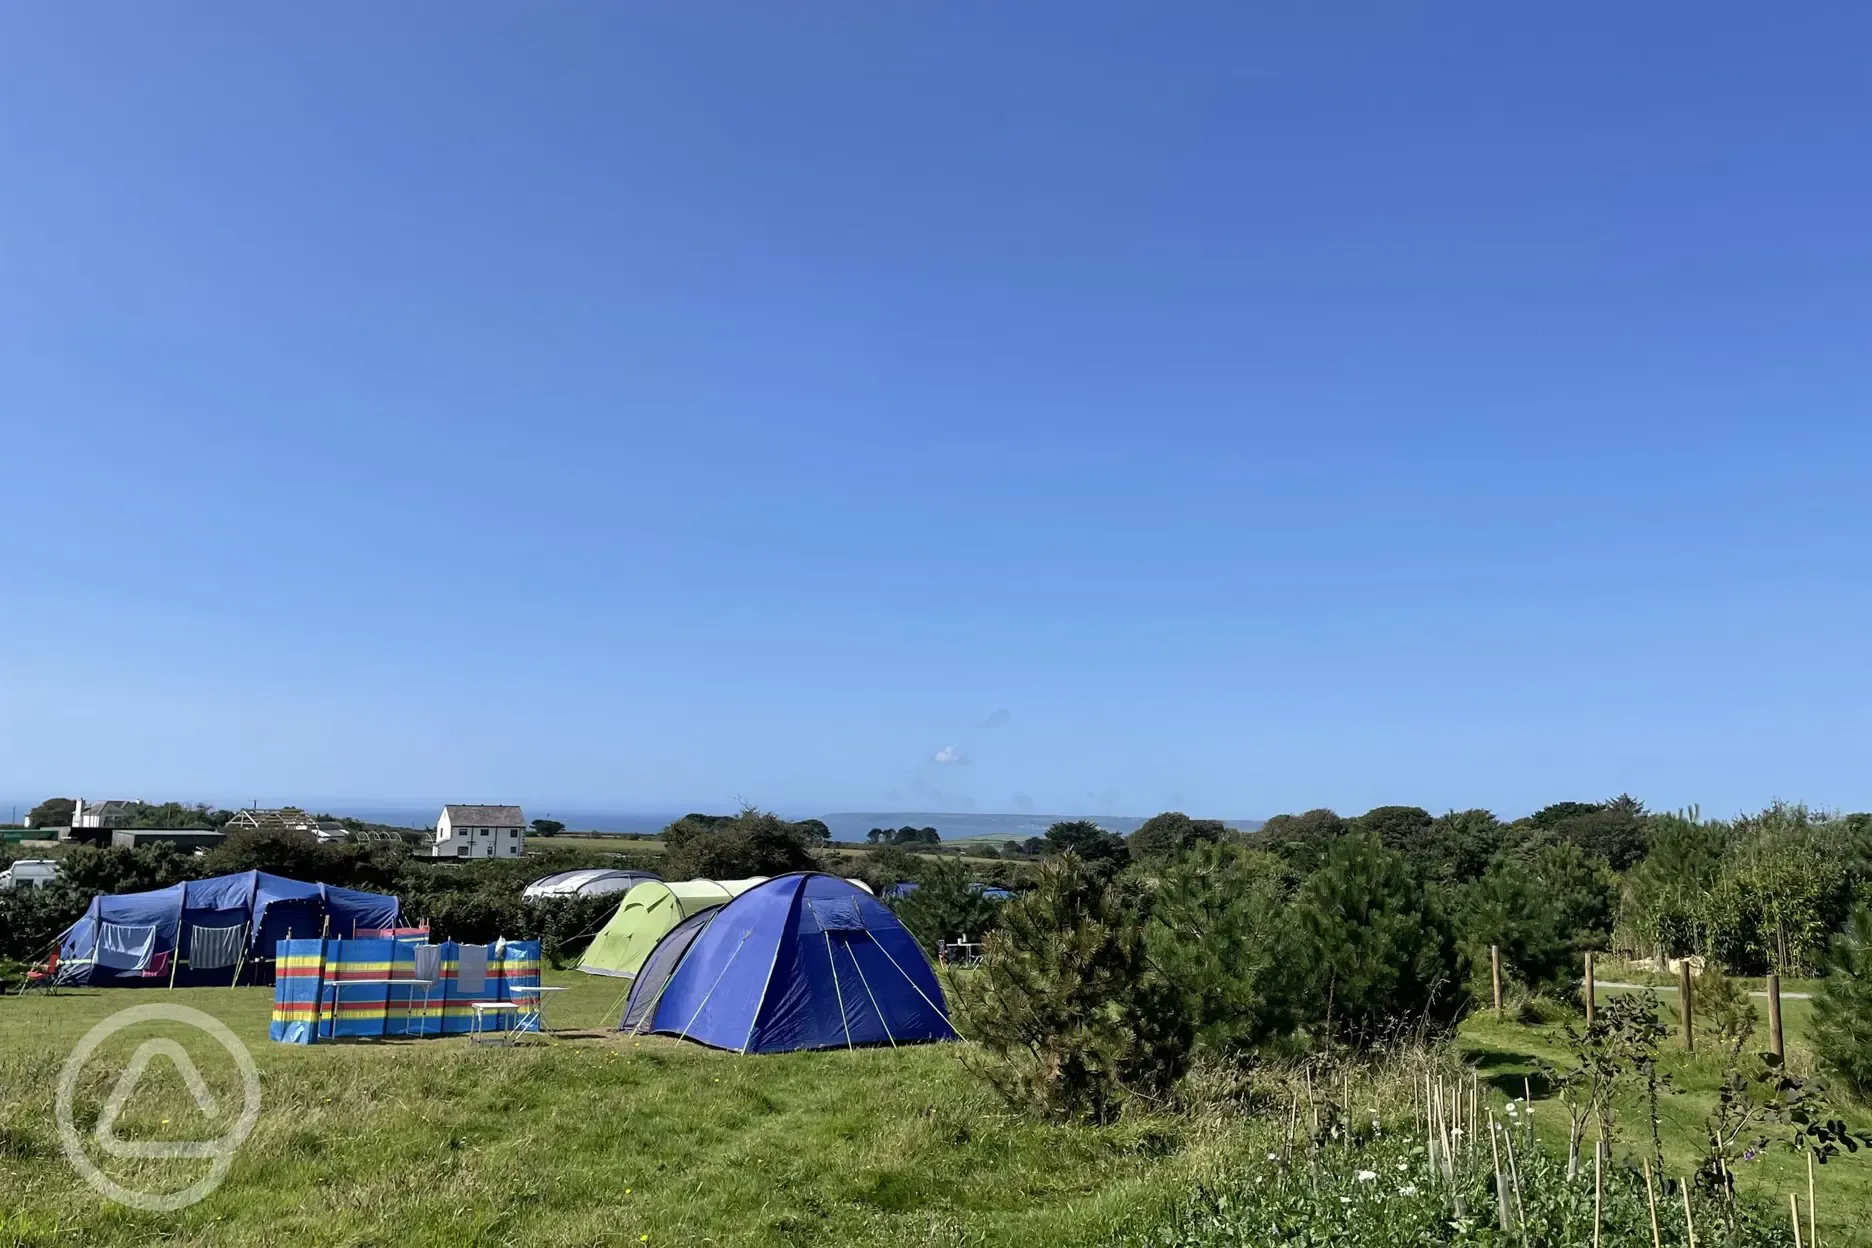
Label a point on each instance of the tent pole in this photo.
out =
(241, 959)
(175, 954)
(318, 984)
(650, 1014)
(882, 1021)
(838, 991)
(712, 987)
(913, 984)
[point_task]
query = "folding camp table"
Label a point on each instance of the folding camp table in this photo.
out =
(533, 1017)
(336, 988)
(478, 1032)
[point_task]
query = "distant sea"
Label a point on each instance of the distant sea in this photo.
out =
(845, 825)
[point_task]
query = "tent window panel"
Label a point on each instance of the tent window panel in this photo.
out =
(837, 916)
(215, 948)
(125, 947)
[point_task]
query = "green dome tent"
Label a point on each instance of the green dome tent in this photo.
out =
(646, 913)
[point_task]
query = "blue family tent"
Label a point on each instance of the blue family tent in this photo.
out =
(215, 931)
(805, 961)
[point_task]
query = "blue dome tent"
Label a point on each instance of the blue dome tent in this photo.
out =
(212, 931)
(804, 961)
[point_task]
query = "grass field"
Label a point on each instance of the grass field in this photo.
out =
(588, 1140)
(1507, 1053)
(597, 1139)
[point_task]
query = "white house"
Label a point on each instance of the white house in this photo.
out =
(479, 832)
(112, 814)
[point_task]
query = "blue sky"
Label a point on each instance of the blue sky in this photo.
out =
(1234, 408)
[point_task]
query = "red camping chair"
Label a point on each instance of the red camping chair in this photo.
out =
(44, 977)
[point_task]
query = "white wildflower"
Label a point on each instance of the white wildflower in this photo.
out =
(1366, 1176)
(1272, 1157)
(1345, 1200)
(1402, 1166)
(1409, 1189)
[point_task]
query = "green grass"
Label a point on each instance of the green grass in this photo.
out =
(596, 1139)
(1506, 1053)
(589, 1140)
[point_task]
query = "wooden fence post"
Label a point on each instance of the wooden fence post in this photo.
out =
(1683, 990)
(1494, 957)
(1591, 991)
(1774, 1016)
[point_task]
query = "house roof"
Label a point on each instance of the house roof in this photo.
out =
(484, 816)
(287, 818)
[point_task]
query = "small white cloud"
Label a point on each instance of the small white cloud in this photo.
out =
(949, 754)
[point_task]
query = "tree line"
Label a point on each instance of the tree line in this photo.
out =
(1133, 959)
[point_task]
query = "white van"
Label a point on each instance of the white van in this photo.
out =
(29, 873)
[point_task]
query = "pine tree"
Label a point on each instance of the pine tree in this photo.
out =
(1070, 1020)
(1842, 1010)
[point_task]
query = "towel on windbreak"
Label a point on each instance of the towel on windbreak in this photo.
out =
(123, 947)
(471, 970)
(428, 963)
(215, 948)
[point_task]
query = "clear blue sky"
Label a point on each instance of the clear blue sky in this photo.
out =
(1233, 407)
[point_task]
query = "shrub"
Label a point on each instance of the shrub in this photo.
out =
(1217, 932)
(1174, 832)
(1379, 954)
(754, 842)
(1842, 1010)
(1722, 1007)
(1071, 1020)
(1542, 908)
(943, 906)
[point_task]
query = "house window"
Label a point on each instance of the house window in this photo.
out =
(462, 852)
(513, 849)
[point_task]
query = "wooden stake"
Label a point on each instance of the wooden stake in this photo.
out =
(1590, 993)
(1813, 1233)
(1794, 1216)
(1475, 1110)
(1688, 1224)
(1494, 957)
(1501, 1180)
(1775, 1045)
(1514, 1175)
(1430, 1132)
(1683, 990)
(1598, 1189)
(1650, 1195)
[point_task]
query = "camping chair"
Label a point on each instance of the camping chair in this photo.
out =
(44, 976)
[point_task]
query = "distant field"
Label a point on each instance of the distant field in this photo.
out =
(603, 844)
